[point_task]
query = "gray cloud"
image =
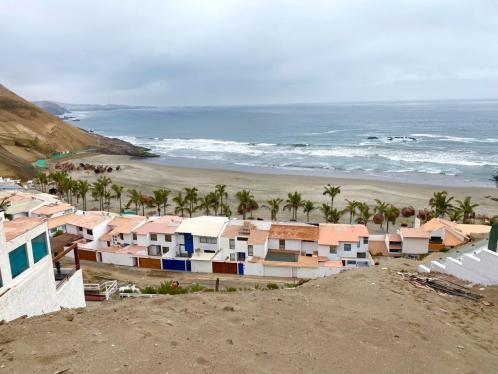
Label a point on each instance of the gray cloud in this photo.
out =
(241, 52)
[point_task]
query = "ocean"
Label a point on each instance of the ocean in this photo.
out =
(440, 143)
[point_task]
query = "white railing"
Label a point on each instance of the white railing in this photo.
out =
(107, 288)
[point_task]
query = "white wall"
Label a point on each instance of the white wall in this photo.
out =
(71, 294)
(415, 246)
(32, 293)
(201, 266)
(117, 258)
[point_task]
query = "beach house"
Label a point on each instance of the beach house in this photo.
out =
(414, 241)
(29, 284)
(345, 243)
(53, 210)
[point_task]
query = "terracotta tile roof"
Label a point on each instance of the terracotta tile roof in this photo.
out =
(332, 234)
(334, 264)
(293, 232)
(87, 221)
(162, 225)
(124, 225)
(255, 236)
(19, 226)
(48, 210)
(413, 233)
(394, 238)
(302, 261)
(258, 237)
(453, 234)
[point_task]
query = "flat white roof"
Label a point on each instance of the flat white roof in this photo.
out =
(203, 226)
(202, 256)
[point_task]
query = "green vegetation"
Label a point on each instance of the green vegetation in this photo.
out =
(272, 286)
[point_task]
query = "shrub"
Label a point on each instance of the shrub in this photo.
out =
(196, 287)
(230, 289)
(292, 285)
(166, 288)
(272, 286)
(149, 290)
(208, 290)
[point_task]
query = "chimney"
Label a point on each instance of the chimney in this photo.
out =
(493, 238)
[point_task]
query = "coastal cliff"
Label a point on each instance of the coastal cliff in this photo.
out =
(28, 133)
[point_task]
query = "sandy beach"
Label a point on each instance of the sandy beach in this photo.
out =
(146, 176)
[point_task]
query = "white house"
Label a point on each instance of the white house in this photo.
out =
(244, 239)
(414, 241)
(200, 235)
(27, 282)
(158, 235)
(346, 243)
(297, 237)
(53, 210)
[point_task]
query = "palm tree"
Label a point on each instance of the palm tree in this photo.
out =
(380, 210)
(227, 212)
(135, 198)
(494, 178)
(181, 204)
(142, 202)
(75, 190)
(42, 180)
(83, 188)
(246, 199)
(364, 213)
(351, 208)
(274, 206)
(221, 194)
(467, 208)
(332, 191)
(207, 202)
(160, 200)
(308, 207)
(191, 196)
(58, 177)
(391, 213)
(456, 215)
(293, 203)
(118, 193)
(331, 215)
(98, 192)
(441, 203)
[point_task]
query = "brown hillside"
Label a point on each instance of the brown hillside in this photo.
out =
(28, 133)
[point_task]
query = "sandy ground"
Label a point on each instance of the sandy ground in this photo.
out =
(147, 177)
(369, 320)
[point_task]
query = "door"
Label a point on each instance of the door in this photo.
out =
(241, 268)
(189, 243)
(189, 265)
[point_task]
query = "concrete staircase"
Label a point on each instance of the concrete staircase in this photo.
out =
(480, 267)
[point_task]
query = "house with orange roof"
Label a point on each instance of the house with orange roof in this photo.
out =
(158, 235)
(29, 284)
(53, 210)
(344, 242)
(414, 241)
(245, 239)
(444, 234)
(297, 237)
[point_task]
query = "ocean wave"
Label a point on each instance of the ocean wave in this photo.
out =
(456, 139)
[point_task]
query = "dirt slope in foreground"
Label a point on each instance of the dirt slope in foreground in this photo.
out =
(362, 321)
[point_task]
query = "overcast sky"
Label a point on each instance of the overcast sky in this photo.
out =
(214, 52)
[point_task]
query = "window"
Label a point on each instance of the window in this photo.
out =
(358, 245)
(39, 247)
(121, 236)
(134, 236)
(108, 244)
(167, 237)
(361, 255)
(18, 259)
(365, 240)
(165, 250)
(208, 240)
(1, 280)
(232, 256)
(153, 237)
(242, 239)
(347, 247)
(209, 251)
(333, 249)
(351, 262)
(281, 244)
(89, 232)
(80, 228)
(232, 243)
(241, 256)
(250, 250)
